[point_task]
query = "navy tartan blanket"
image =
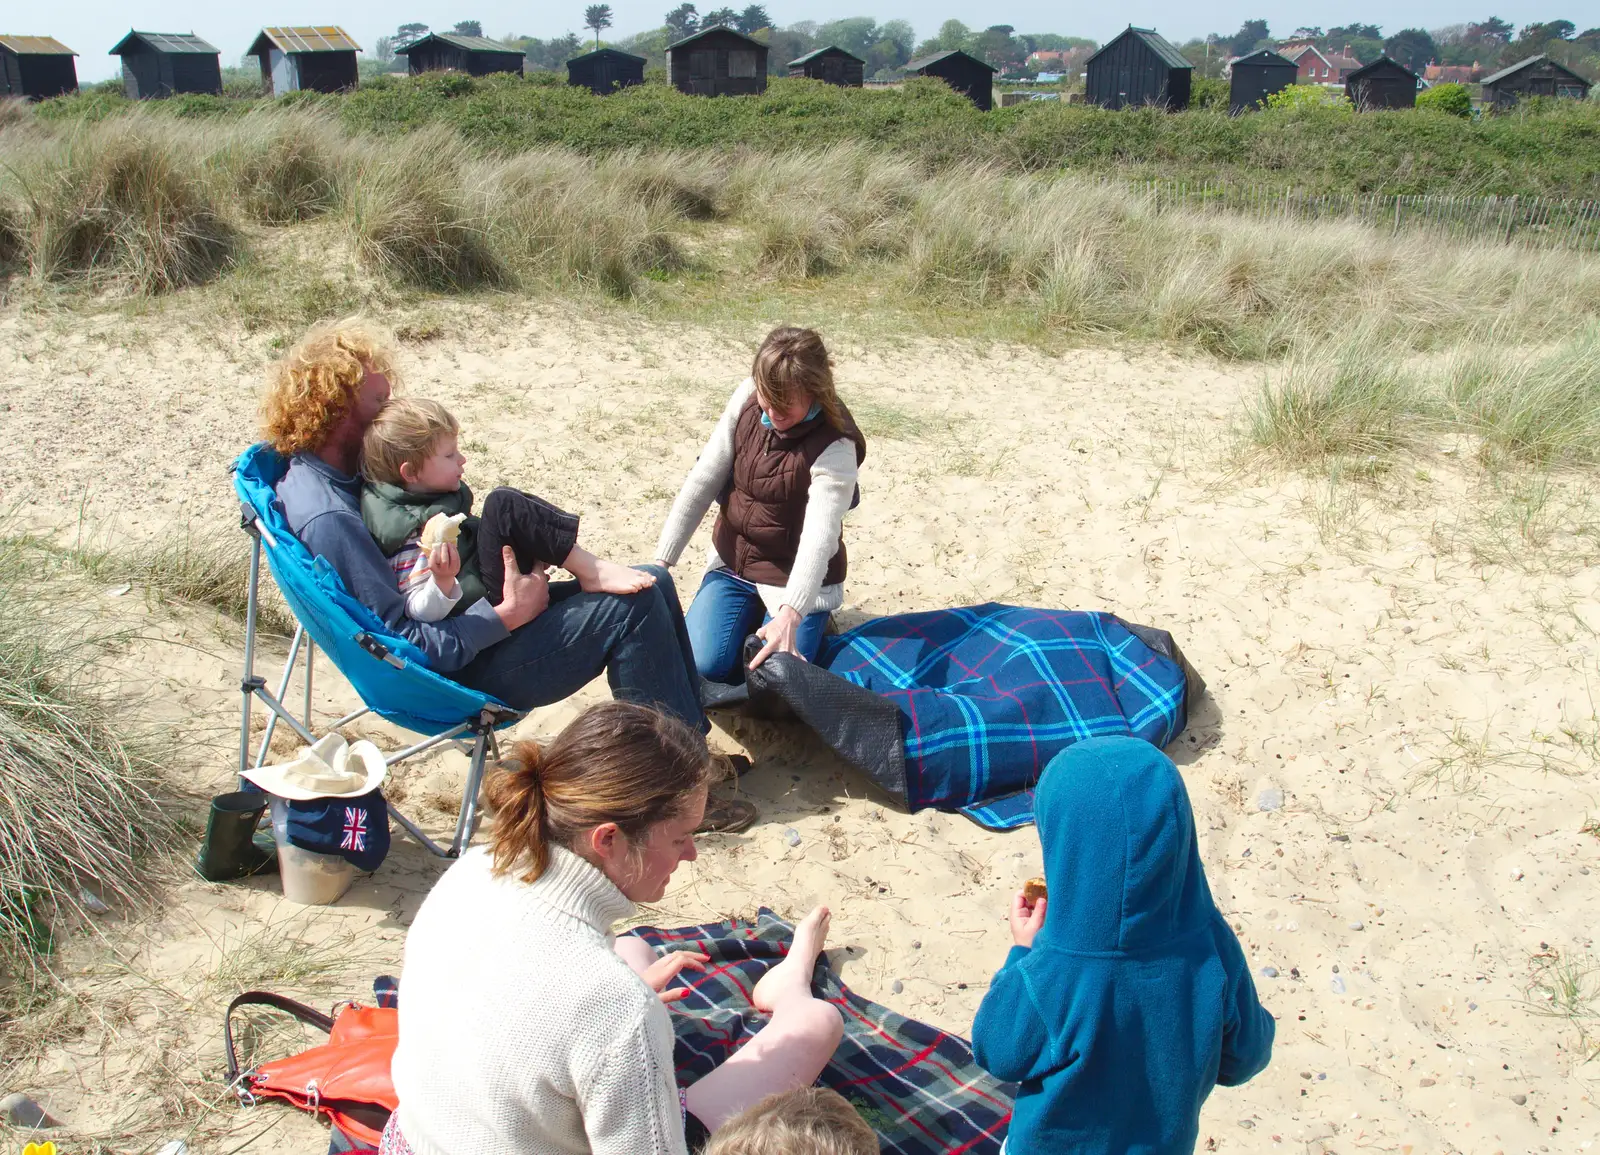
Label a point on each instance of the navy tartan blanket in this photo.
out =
(917, 1086)
(988, 694)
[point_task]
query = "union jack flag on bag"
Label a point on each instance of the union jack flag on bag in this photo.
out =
(356, 829)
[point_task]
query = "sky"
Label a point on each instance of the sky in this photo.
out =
(91, 27)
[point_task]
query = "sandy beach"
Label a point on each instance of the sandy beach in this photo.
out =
(1393, 772)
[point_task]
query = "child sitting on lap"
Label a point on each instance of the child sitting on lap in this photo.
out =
(1127, 996)
(412, 468)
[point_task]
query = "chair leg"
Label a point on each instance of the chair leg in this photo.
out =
(247, 680)
(467, 822)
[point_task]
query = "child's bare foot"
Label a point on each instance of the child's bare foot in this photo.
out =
(792, 976)
(610, 578)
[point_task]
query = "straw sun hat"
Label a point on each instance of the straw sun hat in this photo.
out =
(331, 768)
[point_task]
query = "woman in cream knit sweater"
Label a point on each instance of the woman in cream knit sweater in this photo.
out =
(526, 1027)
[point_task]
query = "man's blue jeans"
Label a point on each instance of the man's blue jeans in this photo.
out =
(638, 639)
(727, 610)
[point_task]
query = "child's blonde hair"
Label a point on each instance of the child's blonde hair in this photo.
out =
(405, 432)
(810, 1121)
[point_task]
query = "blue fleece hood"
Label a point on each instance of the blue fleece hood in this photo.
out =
(1135, 998)
(1120, 852)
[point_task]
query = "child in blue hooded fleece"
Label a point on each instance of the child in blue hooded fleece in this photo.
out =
(1127, 997)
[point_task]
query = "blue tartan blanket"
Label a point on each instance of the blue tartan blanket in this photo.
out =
(917, 1086)
(988, 694)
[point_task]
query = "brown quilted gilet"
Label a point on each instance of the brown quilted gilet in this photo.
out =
(757, 533)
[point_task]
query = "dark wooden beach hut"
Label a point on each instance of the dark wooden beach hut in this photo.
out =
(1135, 69)
(718, 62)
(1256, 77)
(157, 64)
(1535, 76)
(453, 52)
(831, 65)
(36, 67)
(1384, 83)
(605, 70)
(317, 59)
(968, 75)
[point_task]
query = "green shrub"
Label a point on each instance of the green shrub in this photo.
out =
(1453, 99)
(1208, 92)
(1299, 97)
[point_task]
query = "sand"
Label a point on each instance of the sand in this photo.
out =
(1419, 698)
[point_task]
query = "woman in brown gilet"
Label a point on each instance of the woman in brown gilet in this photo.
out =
(782, 466)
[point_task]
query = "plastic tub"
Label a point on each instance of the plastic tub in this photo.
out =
(309, 878)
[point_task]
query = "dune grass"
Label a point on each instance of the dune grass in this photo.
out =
(191, 567)
(80, 803)
(1353, 398)
(123, 202)
(155, 203)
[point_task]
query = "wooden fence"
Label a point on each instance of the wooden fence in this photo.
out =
(1537, 221)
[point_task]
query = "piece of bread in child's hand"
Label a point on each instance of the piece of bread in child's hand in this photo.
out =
(441, 529)
(1034, 889)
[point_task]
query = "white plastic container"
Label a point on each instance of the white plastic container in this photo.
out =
(309, 878)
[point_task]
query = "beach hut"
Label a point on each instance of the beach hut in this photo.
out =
(1138, 68)
(1257, 76)
(1535, 76)
(1384, 83)
(36, 67)
(319, 59)
(453, 52)
(831, 65)
(718, 62)
(968, 75)
(157, 64)
(605, 70)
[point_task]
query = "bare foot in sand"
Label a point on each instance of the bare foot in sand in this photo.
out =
(608, 577)
(791, 978)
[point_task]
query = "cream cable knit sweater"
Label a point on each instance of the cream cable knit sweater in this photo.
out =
(833, 484)
(521, 1031)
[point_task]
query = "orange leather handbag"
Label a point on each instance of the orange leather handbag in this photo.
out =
(345, 1080)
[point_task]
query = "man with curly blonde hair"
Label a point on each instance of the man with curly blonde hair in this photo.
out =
(543, 641)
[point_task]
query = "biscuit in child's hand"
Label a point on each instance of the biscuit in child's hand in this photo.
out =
(441, 529)
(1034, 889)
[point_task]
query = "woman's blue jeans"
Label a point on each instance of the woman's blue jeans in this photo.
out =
(725, 611)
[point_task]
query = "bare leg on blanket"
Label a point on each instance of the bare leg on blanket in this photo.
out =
(791, 1050)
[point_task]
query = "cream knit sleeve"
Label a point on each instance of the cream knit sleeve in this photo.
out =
(706, 479)
(833, 484)
(630, 1103)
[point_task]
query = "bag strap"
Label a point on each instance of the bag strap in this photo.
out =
(305, 1014)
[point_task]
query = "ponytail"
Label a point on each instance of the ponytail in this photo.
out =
(515, 793)
(616, 762)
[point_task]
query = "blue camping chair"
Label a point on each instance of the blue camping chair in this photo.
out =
(388, 672)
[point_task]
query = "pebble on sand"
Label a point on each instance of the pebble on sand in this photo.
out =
(1270, 799)
(1269, 972)
(20, 1111)
(896, 987)
(1357, 924)
(1520, 1100)
(791, 836)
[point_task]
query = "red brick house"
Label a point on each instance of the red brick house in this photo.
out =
(1317, 67)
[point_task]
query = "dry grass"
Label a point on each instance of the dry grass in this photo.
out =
(80, 804)
(125, 203)
(192, 567)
